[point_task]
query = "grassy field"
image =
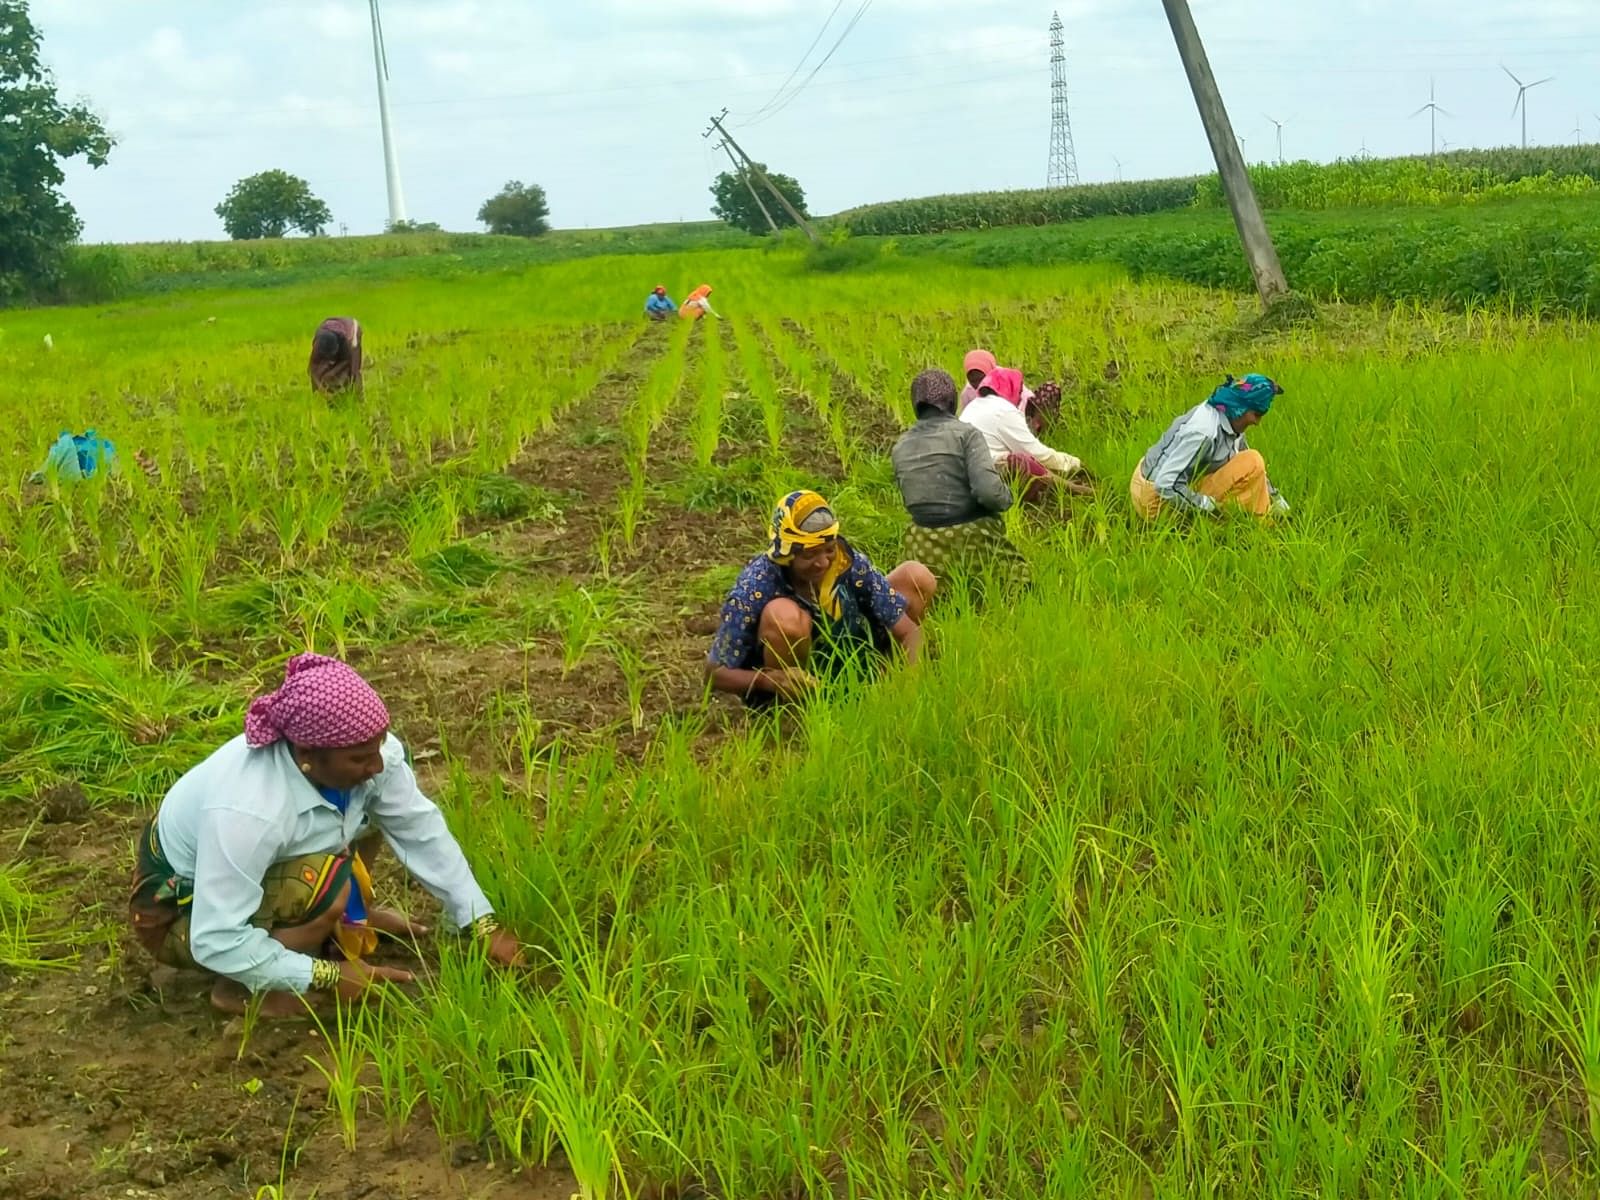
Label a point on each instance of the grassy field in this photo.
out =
(1225, 861)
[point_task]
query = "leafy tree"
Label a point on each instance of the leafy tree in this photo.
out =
(520, 209)
(414, 227)
(270, 204)
(735, 205)
(37, 133)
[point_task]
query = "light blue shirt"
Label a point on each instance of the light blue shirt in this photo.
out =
(1194, 445)
(229, 819)
(662, 304)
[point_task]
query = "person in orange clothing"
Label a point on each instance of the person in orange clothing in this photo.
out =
(1203, 461)
(698, 305)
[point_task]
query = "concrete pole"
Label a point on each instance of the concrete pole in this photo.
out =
(794, 213)
(1258, 248)
(391, 164)
(738, 169)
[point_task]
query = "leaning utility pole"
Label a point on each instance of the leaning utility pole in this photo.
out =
(1258, 248)
(794, 213)
(391, 164)
(744, 178)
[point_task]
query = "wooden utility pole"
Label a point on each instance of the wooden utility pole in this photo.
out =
(794, 213)
(744, 177)
(1258, 248)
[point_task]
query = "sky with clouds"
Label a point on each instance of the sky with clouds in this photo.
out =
(603, 101)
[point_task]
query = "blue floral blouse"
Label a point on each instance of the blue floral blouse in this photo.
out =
(870, 608)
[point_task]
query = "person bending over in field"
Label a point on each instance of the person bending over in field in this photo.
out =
(1202, 461)
(1000, 412)
(698, 304)
(811, 605)
(336, 355)
(658, 306)
(948, 482)
(256, 866)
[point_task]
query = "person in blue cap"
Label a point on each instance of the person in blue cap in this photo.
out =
(1203, 462)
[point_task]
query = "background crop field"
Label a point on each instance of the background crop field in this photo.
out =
(1232, 861)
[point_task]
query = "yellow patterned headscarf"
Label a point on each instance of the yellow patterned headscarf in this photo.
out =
(789, 533)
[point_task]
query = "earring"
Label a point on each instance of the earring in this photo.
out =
(305, 768)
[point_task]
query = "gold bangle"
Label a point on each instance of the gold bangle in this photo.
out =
(485, 926)
(325, 975)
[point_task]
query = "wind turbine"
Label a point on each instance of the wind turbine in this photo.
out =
(1522, 99)
(1118, 161)
(391, 164)
(1433, 111)
(1577, 131)
(1280, 125)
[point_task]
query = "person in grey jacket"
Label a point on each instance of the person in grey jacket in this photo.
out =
(1203, 461)
(948, 481)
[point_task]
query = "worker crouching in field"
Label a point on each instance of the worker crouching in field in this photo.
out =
(811, 606)
(698, 304)
(336, 356)
(256, 867)
(1202, 460)
(658, 306)
(1000, 412)
(948, 482)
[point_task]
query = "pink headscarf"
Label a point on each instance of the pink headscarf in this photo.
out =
(322, 703)
(1005, 382)
(978, 360)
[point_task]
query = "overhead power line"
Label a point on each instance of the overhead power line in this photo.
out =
(804, 83)
(773, 99)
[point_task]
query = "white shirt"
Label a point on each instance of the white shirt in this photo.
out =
(1006, 431)
(241, 810)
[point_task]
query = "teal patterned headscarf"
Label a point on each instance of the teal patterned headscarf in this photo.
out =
(1253, 393)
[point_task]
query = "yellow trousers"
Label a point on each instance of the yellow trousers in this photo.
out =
(1242, 479)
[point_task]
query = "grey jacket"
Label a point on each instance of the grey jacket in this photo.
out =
(946, 473)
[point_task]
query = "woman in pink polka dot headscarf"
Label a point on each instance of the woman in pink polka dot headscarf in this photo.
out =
(256, 867)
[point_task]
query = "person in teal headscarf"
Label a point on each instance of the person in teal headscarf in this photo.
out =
(1203, 462)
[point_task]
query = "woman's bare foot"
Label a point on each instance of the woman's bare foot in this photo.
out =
(234, 998)
(396, 924)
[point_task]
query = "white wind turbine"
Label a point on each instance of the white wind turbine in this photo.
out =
(1280, 125)
(391, 164)
(1522, 99)
(1433, 110)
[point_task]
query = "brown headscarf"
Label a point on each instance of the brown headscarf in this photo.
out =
(935, 391)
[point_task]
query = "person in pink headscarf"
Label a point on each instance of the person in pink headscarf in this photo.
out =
(1000, 412)
(256, 867)
(977, 365)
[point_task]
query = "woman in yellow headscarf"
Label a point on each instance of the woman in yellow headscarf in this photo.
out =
(810, 605)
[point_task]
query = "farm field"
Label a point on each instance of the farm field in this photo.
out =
(1233, 860)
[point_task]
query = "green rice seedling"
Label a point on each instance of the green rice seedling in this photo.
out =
(345, 1047)
(27, 926)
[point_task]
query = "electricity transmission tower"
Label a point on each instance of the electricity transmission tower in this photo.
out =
(391, 164)
(1063, 155)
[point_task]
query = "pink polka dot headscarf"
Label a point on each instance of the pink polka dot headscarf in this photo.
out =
(322, 703)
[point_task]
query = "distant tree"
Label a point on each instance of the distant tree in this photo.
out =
(37, 133)
(270, 204)
(520, 209)
(735, 205)
(414, 227)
